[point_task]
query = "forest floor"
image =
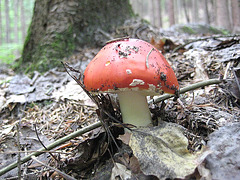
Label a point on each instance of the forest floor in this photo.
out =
(36, 111)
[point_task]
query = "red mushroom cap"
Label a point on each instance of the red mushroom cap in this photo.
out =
(129, 65)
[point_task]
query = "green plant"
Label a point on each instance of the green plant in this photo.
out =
(9, 52)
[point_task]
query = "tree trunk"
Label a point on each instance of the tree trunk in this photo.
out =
(214, 14)
(159, 14)
(1, 39)
(178, 17)
(222, 14)
(16, 21)
(235, 15)
(171, 12)
(7, 18)
(23, 22)
(60, 26)
(137, 6)
(152, 13)
(206, 13)
(186, 11)
(195, 11)
(141, 8)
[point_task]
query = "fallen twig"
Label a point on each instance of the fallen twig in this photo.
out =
(19, 148)
(66, 176)
(31, 151)
(186, 89)
(98, 124)
(203, 39)
(35, 128)
(51, 146)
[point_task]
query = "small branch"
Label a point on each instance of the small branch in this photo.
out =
(98, 124)
(18, 139)
(58, 171)
(203, 39)
(117, 39)
(186, 89)
(19, 148)
(14, 152)
(51, 146)
(227, 68)
(35, 128)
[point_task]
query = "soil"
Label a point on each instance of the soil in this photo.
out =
(41, 108)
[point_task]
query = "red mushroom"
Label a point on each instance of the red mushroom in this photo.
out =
(133, 69)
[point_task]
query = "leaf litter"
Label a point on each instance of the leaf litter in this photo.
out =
(165, 147)
(58, 106)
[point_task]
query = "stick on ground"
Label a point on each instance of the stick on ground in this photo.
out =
(51, 146)
(98, 124)
(186, 89)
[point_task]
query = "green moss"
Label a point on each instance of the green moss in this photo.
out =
(200, 29)
(188, 30)
(48, 54)
(214, 30)
(40, 104)
(9, 52)
(130, 10)
(28, 35)
(19, 65)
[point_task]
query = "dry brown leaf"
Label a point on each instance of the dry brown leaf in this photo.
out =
(125, 138)
(162, 151)
(121, 171)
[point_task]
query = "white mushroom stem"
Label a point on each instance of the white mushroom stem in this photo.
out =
(134, 108)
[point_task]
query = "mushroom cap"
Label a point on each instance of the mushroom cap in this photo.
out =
(130, 65)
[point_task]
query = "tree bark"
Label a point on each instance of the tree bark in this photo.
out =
(222, 16)
(195, 11)
(16, 21)
(1, 39)
(152, 13)
(171, 12)
(235, 15)
(137, 6)
(159, 14)
(140, 7)
(186, 11)
(206, 12)
(7, 18)
(178, 16)
(23, 22)
(61, 26)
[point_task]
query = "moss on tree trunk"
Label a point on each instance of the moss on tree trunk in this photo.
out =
(60, 26)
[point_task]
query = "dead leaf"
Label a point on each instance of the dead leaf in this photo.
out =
(162, 151)
(166, 45)
(223, 44)
(204, 172)
(125, 138)
(159, 45)
(134, 165)
(7, 129)
(224, 160)
(121, 171)
(74, 92)
(20, 84)
(131, 162)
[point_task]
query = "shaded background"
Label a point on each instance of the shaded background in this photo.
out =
(15, 18)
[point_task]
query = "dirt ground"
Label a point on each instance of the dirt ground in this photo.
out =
(37, 110)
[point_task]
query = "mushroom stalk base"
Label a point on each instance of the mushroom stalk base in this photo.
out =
(134, 108)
